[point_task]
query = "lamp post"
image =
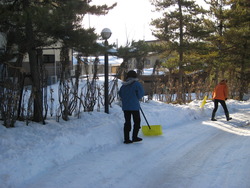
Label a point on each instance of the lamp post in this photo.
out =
(106, 33)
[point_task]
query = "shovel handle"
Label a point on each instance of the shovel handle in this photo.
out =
(145, 118)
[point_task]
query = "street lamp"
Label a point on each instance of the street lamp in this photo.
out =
(106, 33)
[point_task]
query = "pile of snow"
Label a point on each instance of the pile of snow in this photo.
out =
(89, 152)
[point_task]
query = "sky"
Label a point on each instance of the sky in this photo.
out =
(129, 20)
(88, 151)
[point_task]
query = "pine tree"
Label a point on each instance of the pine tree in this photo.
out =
(184, 27)
(217, 47)
(237, 37)
(229, 43)
(32, 24)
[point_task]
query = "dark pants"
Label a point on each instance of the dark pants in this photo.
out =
(127, 124)
(223, 104)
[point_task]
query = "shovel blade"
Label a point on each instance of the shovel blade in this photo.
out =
(154, 130)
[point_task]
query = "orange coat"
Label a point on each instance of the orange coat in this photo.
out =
(220, 91)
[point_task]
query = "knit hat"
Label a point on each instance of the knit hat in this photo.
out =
(223, 81)
(131, 74)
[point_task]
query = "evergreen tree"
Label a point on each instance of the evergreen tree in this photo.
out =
(32, 24)
(216, 55)
(183, 25)
(138, 50)
(237, 38)
(229, 52)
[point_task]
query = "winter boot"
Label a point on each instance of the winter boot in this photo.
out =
(213, 115)
(135, 136)
(127, 142)
(126, 137)
(227, 116)
(137, 139)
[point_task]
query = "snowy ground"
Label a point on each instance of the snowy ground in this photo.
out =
(89, 152)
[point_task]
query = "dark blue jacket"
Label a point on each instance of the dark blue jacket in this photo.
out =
(131, 92)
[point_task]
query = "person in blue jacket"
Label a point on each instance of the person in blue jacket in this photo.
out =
(130, 93)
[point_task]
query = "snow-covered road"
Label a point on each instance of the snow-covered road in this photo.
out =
(195, 154)
(207, 158)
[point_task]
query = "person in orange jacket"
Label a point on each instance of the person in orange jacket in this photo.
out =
(220, 95)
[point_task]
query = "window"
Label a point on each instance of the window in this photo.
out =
(48, 58)
(147, 62)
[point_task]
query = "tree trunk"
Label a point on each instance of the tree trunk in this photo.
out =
(34, 66)
(36, 86)
(180, 92)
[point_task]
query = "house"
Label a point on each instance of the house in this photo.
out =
(88, 65)
(51, 61)
(150, 61)
(52, 64)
